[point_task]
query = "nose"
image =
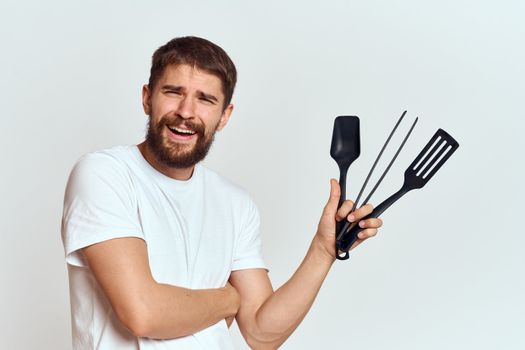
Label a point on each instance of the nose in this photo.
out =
(186, 108)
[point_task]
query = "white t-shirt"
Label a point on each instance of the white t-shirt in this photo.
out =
(197, 232)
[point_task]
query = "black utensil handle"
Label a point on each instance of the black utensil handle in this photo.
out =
(343, 170)
(348, 234)
(342, 198)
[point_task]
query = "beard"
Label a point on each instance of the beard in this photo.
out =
(175, 155)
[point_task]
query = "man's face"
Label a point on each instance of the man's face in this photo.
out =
(185, 110)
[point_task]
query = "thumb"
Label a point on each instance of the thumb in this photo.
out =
(335, 192)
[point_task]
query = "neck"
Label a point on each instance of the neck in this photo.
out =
(181, 174)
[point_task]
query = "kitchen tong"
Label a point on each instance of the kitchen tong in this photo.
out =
(346, 148)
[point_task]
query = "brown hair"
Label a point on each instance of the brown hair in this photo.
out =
(197, 52)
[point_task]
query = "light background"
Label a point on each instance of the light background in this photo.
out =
(446, 271)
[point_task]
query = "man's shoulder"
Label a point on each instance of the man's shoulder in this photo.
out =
(114, 156)
(110, 161)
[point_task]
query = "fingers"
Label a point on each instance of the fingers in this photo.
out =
(330, 208)
(360, 212)
(371, 223)
(344, 210)
(370, 232)
(364, 235)
(370, 228)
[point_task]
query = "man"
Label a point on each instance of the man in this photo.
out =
(162, 252)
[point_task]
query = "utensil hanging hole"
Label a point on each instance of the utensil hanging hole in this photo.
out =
(426, 153)
(342, 255)
(431, 158)
(437, 161)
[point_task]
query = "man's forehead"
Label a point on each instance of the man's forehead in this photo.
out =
(186, 71)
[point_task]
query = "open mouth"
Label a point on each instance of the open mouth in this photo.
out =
(181, 133)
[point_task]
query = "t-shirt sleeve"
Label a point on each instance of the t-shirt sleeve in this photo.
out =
(248, 250)
(99, 205)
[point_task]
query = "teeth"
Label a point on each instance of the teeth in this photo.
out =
(183, 131)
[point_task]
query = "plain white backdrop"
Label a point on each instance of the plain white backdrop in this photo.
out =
(446, 270)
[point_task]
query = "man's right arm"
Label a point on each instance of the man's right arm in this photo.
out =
(147, 308)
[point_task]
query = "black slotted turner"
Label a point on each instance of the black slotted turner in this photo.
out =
(427, 163)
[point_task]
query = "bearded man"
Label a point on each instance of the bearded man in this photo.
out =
(162, 252)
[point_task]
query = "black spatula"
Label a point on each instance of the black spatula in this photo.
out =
(427, 163)
(346, 147)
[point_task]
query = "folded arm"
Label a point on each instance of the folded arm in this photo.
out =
(151, 309)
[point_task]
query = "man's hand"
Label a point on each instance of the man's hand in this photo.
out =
(326, 230)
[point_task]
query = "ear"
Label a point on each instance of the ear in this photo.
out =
(226, 114)
(146, 99)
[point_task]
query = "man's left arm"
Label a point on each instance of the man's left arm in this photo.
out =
(267, 318)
